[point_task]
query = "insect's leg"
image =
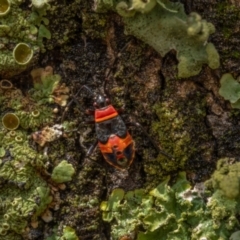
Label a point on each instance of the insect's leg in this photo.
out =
(120, 110)
(67, 107)
(92, 148)
(94, 145)
(90, 111)
(89, 153)
(74, 99)
(105, 88)
(88, 122)
(138, 125)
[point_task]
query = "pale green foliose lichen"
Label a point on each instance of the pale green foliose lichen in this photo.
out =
(43, 90)
(47, 87)
(39, 3)
(230, 90)
(63, 172)
(167, 213)
(19, 25)
(143, 6)
(235, 236)
(165, 26)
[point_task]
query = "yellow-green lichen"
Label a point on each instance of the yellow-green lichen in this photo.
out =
(175, 129)
(24, 107)
(24, 193)
(21, 183)
(226, 178)
(5, 6)
(20, 27)
(10, 121)
(69, 234)
(22, 54)
(224, 203)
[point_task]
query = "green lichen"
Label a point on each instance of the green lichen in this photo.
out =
(63, 172)
(164, 26)
(17, 205)
(5, 7)
(19, 25)
(230, 90)
(135, 205)
(122, 9)
(25, 106)
(2, 152)
(143, 6)
(44, 194)
(224, 203)
(44, 88)
(68, 234)
(43, 32)
(166, 213)
(10, 121)
(24, 193)
(22, 54)
(29, 121)
(226, 178)
(39, 3)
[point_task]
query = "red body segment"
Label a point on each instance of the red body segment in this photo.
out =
(104, 114)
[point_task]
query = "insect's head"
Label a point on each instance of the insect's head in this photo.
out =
(101, 101)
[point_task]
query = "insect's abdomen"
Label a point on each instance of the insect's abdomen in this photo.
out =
(119, 152)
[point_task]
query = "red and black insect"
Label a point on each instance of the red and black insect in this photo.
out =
(115, 143)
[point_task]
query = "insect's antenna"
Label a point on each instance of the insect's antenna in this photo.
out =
(74, 99)
(111, 68)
